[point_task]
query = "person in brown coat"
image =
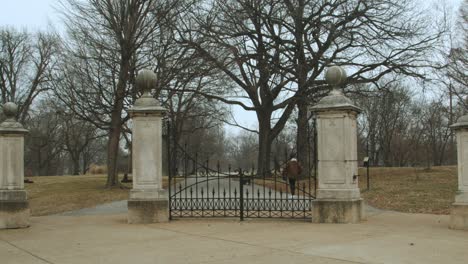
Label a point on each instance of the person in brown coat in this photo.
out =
(292, 171)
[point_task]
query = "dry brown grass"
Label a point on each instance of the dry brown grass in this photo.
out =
(412, 190)
(56, 194)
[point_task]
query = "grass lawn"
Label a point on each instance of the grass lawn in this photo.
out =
(56, 194)
(412, 190)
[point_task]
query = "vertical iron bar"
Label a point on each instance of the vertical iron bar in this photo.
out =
(276, 179)
(309, 154)
(213, 201)
(303, 200)
(169, 165)
(218, 169)
(235, 204)
(269, 202)
(258, 201)
(309, 139)
(207, 181)
(241, 198)
(185, 168)
(315, 156)
(252, 185)
(202, 202)
(229, 185)
(224, 201)
(264, 193)
(191, 202)
(196, 177)
(368, 181)
(180, 198)
(281, 202)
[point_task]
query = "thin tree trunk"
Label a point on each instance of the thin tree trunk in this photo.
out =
(85, 164)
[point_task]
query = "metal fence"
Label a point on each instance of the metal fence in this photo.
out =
(199, 190)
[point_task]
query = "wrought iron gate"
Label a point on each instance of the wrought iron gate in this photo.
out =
(198, 191)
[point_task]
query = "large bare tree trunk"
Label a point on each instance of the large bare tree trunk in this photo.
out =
(76, 165)
(264, 144)
(112, 156)
(116, 126)
(302, 141)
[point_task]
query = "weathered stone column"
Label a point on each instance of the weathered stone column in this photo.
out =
(14, 208)
(148, 201)
(338, 196)
(459, 210)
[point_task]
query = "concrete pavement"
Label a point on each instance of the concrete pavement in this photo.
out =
(386, 237)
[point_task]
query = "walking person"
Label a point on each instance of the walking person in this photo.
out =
(292, 171)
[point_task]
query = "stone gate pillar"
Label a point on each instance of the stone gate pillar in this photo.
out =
(338, 196)
(14, 208)
(459, 210)
(148, 202)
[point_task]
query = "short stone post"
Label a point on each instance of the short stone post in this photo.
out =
(14, 207)
(459, 210)
(148, 201)
(338, 196)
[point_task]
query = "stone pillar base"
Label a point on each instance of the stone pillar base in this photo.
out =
(338, 211)
(148, 211)
(14, 209)
(459, 216)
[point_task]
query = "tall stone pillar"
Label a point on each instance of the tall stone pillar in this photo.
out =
(14, 208)
(459, 210)
(338, 196)
(148, 201)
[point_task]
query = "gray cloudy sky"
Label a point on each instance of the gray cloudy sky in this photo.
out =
(38, 14)
(31, 14)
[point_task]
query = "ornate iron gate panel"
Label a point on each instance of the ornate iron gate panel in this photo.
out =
(204, 192)
(197, 189)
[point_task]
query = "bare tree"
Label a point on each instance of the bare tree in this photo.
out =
(457, 57)
(238, 38)
(109, 35)
(78, 137)
(26, 61)
(276, 52)
(371, 39)
(44, 153)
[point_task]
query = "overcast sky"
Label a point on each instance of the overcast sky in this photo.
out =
(41, 15)
(38, 14)
(31, 14)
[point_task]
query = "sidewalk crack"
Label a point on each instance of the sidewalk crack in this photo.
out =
(26, 251)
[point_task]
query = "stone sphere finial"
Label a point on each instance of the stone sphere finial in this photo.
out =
(10, 110)
(335, 76)
(146, 80)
